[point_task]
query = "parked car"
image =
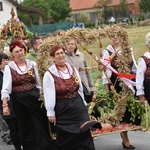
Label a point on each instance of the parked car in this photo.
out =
(111, 20)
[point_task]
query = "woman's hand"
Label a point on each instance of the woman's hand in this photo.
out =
(6, 111)
(52, 119)
(142, 99)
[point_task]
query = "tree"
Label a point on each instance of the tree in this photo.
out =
(59, 9)
(144, 5)
(39, 4)
(123, 6)
(83, 18)
(103, 4)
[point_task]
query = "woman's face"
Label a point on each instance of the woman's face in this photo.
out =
(115, 39)
(3, 63)
(59, 57)
(18, 53)
(70, 46)
(148, 45)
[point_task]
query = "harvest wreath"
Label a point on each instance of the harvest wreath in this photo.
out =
(14, 29)
(86, 37)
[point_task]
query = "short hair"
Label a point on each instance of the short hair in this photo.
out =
(147, 38)
(53, 49)
(15, 43)
(33, 40)
(3, 56)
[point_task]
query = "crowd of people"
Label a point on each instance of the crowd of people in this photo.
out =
(25, 121)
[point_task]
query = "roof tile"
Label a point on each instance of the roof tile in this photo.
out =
(82, 4)
(85, 4)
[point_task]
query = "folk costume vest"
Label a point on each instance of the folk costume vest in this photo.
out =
(22, 82)
(66, 88)
(147, 72)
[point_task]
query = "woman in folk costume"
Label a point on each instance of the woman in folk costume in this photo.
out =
(9, 119)
(65, 104)
(143, 74)
(110, 54)
(22, 82)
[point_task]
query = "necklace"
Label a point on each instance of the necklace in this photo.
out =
(61, 65)
(68, 72)
(65, 71)
(23, 71)
(26, 69)
(58, 68)
(59, 71)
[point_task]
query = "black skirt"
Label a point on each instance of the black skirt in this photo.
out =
(73, 124)
(147, 90)
(32, 120)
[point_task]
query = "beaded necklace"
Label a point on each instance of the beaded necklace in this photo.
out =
(26, 69)
(68, 72)
(59, 71)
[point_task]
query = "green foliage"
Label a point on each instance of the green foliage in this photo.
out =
(102, 4)
(131, 21)
(89, 25)
(105, 103)
(59, 9)
(123, 6)
(144, 5)
(101, 89)
(136, 108)
(40, 4)
(141, 18)
(83, 18)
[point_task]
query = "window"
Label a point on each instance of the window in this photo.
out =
(93, 16)
(1, 6)
(76, 17)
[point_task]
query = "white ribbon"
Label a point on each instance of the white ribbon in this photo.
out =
(127, 81)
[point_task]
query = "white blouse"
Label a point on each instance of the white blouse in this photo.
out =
(7, 78)
(49, 87)
(140, 74)
(106, 56)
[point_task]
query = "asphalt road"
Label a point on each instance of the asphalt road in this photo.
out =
(141, 140)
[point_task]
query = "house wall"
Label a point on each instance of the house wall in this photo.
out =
(86, 12)
(5, 13)
(135, 8)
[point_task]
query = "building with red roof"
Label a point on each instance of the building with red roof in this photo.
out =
(87, 7)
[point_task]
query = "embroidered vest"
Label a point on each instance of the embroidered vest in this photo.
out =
(147, 72)
(22, 82)
(65, 88)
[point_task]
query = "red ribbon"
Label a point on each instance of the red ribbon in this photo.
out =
(126, 75)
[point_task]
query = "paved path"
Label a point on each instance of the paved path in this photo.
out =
(141, 140)
(4, 146)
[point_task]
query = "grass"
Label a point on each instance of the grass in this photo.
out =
(137, 39)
